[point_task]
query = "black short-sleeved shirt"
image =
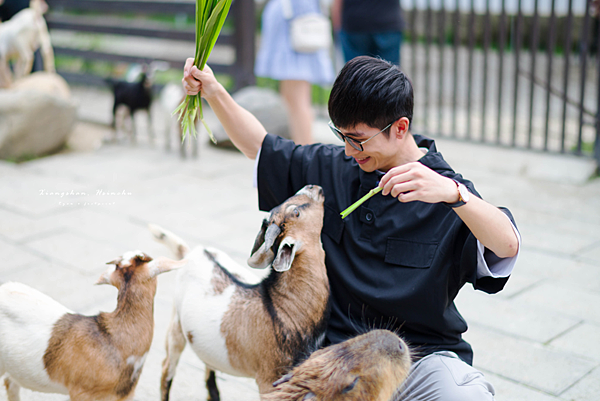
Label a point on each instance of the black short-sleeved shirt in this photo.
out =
(390, 264)
(372, 16)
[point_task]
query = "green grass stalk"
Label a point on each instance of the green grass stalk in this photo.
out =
(210, 17)
(359, 202)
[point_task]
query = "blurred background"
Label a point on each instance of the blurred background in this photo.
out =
(506, 72)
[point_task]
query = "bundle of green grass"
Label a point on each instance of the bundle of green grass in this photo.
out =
(210, 17)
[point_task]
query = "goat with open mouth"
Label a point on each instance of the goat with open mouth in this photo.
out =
(253, 330)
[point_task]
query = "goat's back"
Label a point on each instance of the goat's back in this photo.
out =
(132, 94)
(27, 317)
(203, 295)
(21, 30)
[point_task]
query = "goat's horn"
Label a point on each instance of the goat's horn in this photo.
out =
(260, 238)
(271, 235)
(264, 255)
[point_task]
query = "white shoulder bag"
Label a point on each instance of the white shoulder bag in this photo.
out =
(308, 32)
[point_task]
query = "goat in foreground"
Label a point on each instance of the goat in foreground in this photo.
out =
(369, 367)
(45, 347)
(257, 330)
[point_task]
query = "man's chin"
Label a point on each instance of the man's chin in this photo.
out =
(366, 168)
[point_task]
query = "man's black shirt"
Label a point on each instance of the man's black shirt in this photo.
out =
(390, 264)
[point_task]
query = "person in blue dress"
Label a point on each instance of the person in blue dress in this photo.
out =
(296, 71)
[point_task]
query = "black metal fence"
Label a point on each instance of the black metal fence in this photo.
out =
(512, 73)
(120, 23)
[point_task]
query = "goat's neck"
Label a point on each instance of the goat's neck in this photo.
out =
(133, 317)
(292, 287)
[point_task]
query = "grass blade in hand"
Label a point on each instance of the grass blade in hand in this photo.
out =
(359, 202)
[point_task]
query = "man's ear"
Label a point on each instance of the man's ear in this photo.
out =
(402, 125)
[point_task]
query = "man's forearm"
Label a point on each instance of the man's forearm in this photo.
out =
(244, 130)
(490, 226)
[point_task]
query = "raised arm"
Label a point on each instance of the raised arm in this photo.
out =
(244, 130)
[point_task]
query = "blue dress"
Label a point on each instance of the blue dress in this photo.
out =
(277, 60)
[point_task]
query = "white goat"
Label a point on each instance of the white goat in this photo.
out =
(47, 348)
(170, 97)
(260, 330)
(19, 39)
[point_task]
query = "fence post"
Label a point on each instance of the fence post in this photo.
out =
(245, 24)
(597, 142)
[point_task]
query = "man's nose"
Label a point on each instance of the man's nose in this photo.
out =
(349, 149)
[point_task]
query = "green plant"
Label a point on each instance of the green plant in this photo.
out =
(210, 17)
(359, 202)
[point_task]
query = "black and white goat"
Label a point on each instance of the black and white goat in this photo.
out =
(133, 96)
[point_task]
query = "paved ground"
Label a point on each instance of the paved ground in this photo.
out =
(62, 217)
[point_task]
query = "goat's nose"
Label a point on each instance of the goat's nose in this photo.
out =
(393, 343)
(319, 190)
(313, 191)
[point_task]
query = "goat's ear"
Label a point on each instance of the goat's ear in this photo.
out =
(285, 255)
(115, 262)
(163, 265)
(105, 277)
(263, 254)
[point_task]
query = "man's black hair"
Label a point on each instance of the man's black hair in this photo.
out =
(371, 91)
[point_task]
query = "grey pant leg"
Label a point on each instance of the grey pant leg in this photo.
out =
(443, 376)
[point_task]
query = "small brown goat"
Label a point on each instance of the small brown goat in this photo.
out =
(369, 367)
(47, 348)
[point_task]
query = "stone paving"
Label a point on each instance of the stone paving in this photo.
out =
(63, 217)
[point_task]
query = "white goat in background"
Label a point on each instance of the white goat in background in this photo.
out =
(20, 37)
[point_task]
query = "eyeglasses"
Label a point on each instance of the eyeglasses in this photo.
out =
(353, 142)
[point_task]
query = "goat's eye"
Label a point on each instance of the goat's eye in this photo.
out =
(350, 387)
(296, 212)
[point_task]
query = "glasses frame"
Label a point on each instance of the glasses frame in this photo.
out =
(353, 142)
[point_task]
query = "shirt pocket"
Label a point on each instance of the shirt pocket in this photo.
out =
(333, 225)
(416, 255)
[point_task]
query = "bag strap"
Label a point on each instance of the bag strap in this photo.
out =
(288, 10)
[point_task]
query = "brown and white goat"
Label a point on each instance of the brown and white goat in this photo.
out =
(20, 37)
(260, 330)
(369, 367)
(45, 347)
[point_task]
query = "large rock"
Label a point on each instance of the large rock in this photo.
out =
(36, 116)
(265, 104)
